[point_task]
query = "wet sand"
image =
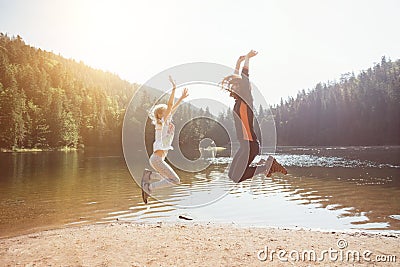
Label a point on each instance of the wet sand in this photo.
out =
(192, 244)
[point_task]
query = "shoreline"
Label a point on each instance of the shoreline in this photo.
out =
(57, 227)
(22, 150)
(19, 150)
(186, 243)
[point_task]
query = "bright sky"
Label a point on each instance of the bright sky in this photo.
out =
(300, 43)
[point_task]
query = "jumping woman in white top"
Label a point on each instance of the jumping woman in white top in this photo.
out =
(161, 116)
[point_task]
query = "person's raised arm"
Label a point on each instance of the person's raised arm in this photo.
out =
(183, 96)
(239, 61)
(171, 99)
(249, 55)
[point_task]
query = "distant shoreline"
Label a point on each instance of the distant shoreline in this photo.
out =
(185, 244)
(21, 150)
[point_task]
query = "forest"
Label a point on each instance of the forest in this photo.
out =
(49, 102)
(357, 110)
(361, 109)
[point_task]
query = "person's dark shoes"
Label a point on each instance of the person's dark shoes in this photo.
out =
(275, 167)
(145, 185)
(279, 167)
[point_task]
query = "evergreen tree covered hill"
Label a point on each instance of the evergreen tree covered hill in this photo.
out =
(357, 110)
(47, 101)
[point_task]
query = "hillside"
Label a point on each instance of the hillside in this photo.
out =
(47, 101)
(357, 110)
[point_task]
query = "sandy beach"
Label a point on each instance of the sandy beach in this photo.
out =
(192, 244)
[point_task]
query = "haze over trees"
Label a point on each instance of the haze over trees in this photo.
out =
(361, 109)
(47, 101)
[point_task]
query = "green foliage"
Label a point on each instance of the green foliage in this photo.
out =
(362, 110)
(47, 101)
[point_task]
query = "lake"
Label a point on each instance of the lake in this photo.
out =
(327, 188)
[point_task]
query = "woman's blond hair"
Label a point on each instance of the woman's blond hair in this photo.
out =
(156, 112)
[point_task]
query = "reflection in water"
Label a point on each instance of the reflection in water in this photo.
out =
(326, 188)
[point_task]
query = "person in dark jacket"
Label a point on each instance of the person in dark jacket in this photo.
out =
(239, 88)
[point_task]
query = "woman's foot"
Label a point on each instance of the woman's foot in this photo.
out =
(275, 167)
(145, 185)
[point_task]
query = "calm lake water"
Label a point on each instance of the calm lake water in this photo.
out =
(341, 188)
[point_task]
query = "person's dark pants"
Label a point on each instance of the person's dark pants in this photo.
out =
(240, 169)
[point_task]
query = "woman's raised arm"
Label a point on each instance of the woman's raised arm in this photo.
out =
(183, 96)
(171, 99)
(239, 61)
(249, 55)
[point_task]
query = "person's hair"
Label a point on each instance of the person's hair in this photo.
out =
(227, 83)
(156, 113)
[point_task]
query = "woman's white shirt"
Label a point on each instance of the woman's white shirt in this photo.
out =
(164, 135)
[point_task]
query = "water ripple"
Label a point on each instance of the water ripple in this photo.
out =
(304, 160)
